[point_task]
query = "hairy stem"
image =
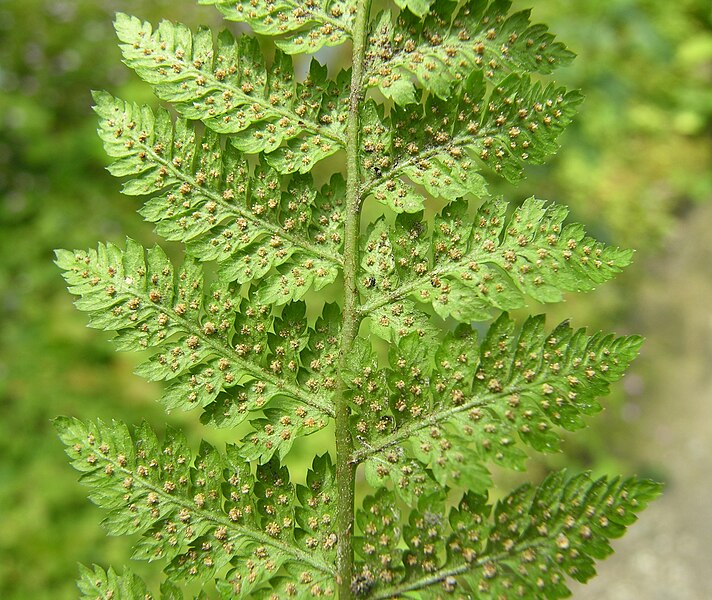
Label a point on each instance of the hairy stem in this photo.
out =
(345, 469)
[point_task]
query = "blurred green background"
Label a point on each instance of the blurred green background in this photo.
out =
(635, 167)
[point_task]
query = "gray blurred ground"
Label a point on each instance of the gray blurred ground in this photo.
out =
(667, 555)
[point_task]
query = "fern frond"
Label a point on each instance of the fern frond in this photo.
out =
(467, 270)
(198, 513)
(220, 352)
(478, 400)
(303, 26)
(228, 87)
(420, 414)
(453, 41)
(446, 145)
(525, 546)
(203, 194)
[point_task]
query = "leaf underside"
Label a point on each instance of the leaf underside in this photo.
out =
(302, 26)
(202, 513)
(227, 86)
(525, 546)
(218, 351)
(437, 420)
(454, 40)
(204, 194)
(239, 330)
(469, 266)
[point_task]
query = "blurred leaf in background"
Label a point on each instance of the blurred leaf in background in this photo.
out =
(639, 153)
(636, 159)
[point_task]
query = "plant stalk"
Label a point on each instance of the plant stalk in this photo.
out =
(345, 469)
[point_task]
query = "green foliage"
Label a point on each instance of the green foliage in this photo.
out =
(445, 145)
(219, 351)
(466, 402)
(210, 201)
(228, 87)
(308, 26)
(466, 270)
(199, 513)
(251, 341)
(525, 545)
(97, 583)
(441, 51)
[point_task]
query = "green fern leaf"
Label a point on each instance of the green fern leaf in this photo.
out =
(434, 414)
(451, 42)
(418, 7)
(527, 545)
(97, 584)
(382, 158)
(316, 516)
(421, 413)
(250, 578)
(204, 195)
(406, 475)
(325, 101)
(378, 263)
(398, 319)
(283, 422)
(313, 522)
(379, 520)
(216, 348)
(445, 145)
(299, 582)
(199, 513)
(228, 87)
(493, 264)
(308, 26)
